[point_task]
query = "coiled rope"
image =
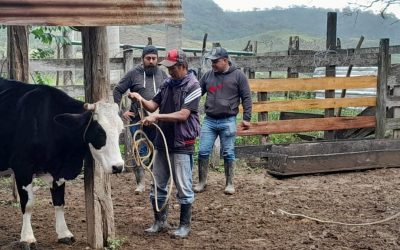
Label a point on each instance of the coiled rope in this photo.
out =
(146, 161)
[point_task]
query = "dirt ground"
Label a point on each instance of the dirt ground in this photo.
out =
(250, 219)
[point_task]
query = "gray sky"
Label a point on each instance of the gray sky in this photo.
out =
(334, 4)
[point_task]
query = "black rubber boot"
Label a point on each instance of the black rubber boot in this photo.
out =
(139, 175)
(160, 219)
(203, 172)
(184, 222)
(229, 168)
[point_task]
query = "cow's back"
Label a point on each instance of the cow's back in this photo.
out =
(27, 116)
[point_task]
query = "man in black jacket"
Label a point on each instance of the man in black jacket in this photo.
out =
(225, 86)
(144, 79)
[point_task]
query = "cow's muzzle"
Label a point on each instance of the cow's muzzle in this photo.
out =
(117, 169)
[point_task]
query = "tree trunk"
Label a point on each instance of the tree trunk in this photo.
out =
(18, 66)
(17, 53)
(68, 53)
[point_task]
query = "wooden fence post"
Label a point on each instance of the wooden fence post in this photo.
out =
(99, 209)
(128, 152)
(294, 46)
(381, 90)
(330, 70)
(18, 66)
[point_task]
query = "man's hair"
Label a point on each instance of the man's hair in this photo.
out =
(149, 49)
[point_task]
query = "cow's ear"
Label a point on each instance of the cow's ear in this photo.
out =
(71, 121)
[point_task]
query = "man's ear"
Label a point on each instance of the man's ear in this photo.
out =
(72, 121)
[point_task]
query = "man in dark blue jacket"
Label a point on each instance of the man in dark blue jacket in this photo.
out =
(178, 102)
(226, 86)
(144, 79)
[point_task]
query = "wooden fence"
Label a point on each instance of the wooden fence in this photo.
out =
(311, 124)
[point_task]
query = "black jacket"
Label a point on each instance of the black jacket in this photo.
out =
(134, 81)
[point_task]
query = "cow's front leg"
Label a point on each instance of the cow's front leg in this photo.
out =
(57, 194)
(26, 201)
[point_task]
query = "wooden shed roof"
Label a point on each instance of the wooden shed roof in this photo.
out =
(90, 12)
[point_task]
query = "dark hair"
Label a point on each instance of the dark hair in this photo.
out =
(149, 49)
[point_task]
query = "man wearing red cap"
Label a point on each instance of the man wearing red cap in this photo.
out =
(178, 102)
(145, 79)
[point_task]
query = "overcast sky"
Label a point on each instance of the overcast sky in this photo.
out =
(262, 4)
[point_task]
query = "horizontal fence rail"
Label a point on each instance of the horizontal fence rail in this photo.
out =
(267, 106)
(307, 125)
(310, 84)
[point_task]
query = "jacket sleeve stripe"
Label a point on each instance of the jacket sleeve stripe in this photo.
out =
(195, 94)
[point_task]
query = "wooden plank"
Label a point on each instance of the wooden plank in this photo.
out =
(381, 92)
(357, 132)
(318, 148)
(392, 123)
(299, 63)
(268, 106)
(346, 161)
(304, 62)
(307, 125)
(47, 65)
(327, 156)
(395, 49)
(297, 115)
(311, 84)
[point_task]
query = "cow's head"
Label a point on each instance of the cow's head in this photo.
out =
(101, 129)
(102, 135)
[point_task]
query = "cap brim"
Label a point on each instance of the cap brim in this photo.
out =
(212, 57)
(167, 63)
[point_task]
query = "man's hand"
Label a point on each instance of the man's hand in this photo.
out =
(135, 96)
(127, 115)
(148, 120)
(246, 125)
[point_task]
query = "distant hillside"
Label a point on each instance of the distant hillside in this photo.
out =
(272, 28)
(206, 16)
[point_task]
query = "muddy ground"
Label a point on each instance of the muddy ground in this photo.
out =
(250, 219)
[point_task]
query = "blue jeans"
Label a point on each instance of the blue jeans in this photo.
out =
(182, 165)
(225, 128)
(143, 147)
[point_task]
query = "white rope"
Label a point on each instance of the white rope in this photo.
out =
(340, 223)
(141, 160)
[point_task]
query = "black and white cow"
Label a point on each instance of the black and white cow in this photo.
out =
(44, 131)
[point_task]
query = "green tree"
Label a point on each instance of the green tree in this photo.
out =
(49, 35)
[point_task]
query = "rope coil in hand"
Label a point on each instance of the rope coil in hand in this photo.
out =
(146, 161)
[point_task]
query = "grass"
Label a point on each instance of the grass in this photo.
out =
(116, 243)
(5, 182)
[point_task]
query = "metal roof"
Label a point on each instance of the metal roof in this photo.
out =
(90, 12)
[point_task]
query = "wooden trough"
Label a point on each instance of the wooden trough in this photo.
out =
(283, 160)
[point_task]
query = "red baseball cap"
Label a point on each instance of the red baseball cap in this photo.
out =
(173, 57)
